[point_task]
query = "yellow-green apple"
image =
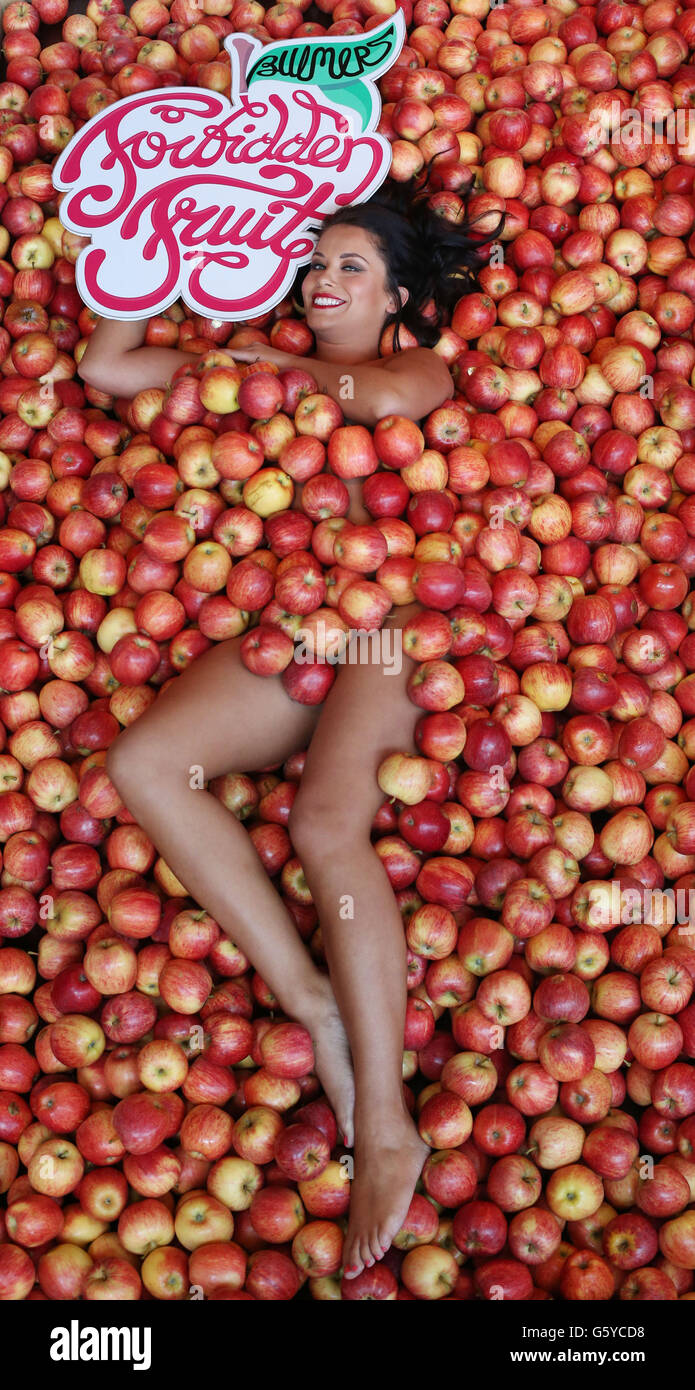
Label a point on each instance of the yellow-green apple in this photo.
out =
(234, 1181)
(200, 1219)
(429, 1272)
(165, 1273)
(574, 1192)
(405, 777)
(55, 1168)
(77, 1040)
(162, 1065)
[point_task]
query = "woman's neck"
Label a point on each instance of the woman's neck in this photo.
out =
(344, 354)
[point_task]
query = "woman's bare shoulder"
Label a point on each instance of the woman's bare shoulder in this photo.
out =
(427, 364)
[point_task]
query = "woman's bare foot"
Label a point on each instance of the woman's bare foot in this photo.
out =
(388, 1162)
(332, 1054)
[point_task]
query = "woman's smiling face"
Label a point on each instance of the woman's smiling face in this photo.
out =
(344, 290)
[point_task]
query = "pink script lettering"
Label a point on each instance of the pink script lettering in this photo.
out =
(182, 194)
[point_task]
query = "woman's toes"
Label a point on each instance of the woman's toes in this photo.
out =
(385, 1238)
(366, 1255)
(351, 1257)
(378, 1250)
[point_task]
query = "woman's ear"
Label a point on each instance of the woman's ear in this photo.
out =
(403, 297)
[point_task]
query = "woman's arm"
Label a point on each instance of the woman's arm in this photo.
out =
(116, 362)
(421, 381)
(410, 383)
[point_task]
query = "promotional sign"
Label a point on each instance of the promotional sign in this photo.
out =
(184, 193)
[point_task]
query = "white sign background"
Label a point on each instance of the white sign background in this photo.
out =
(186, 194)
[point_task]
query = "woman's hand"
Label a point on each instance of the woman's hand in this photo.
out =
(256, 352)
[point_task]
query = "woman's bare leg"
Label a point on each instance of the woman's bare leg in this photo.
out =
(366, 715)
(218, 716)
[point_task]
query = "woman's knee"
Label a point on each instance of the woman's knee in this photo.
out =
(120, 762)
(320, 823)
(136, 760)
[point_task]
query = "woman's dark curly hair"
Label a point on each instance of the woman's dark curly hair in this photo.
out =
(435, 258)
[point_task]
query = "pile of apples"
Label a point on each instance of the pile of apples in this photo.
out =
(162, 1134)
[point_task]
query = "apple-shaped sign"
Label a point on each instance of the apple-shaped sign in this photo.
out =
(184, 193)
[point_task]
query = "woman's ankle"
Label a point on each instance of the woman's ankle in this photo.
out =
(377, 1117)
(313, 998)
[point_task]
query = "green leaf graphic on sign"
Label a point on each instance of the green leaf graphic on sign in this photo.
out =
(355, 95)
(339, 66)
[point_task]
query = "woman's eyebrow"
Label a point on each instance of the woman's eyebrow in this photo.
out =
(354, 255)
